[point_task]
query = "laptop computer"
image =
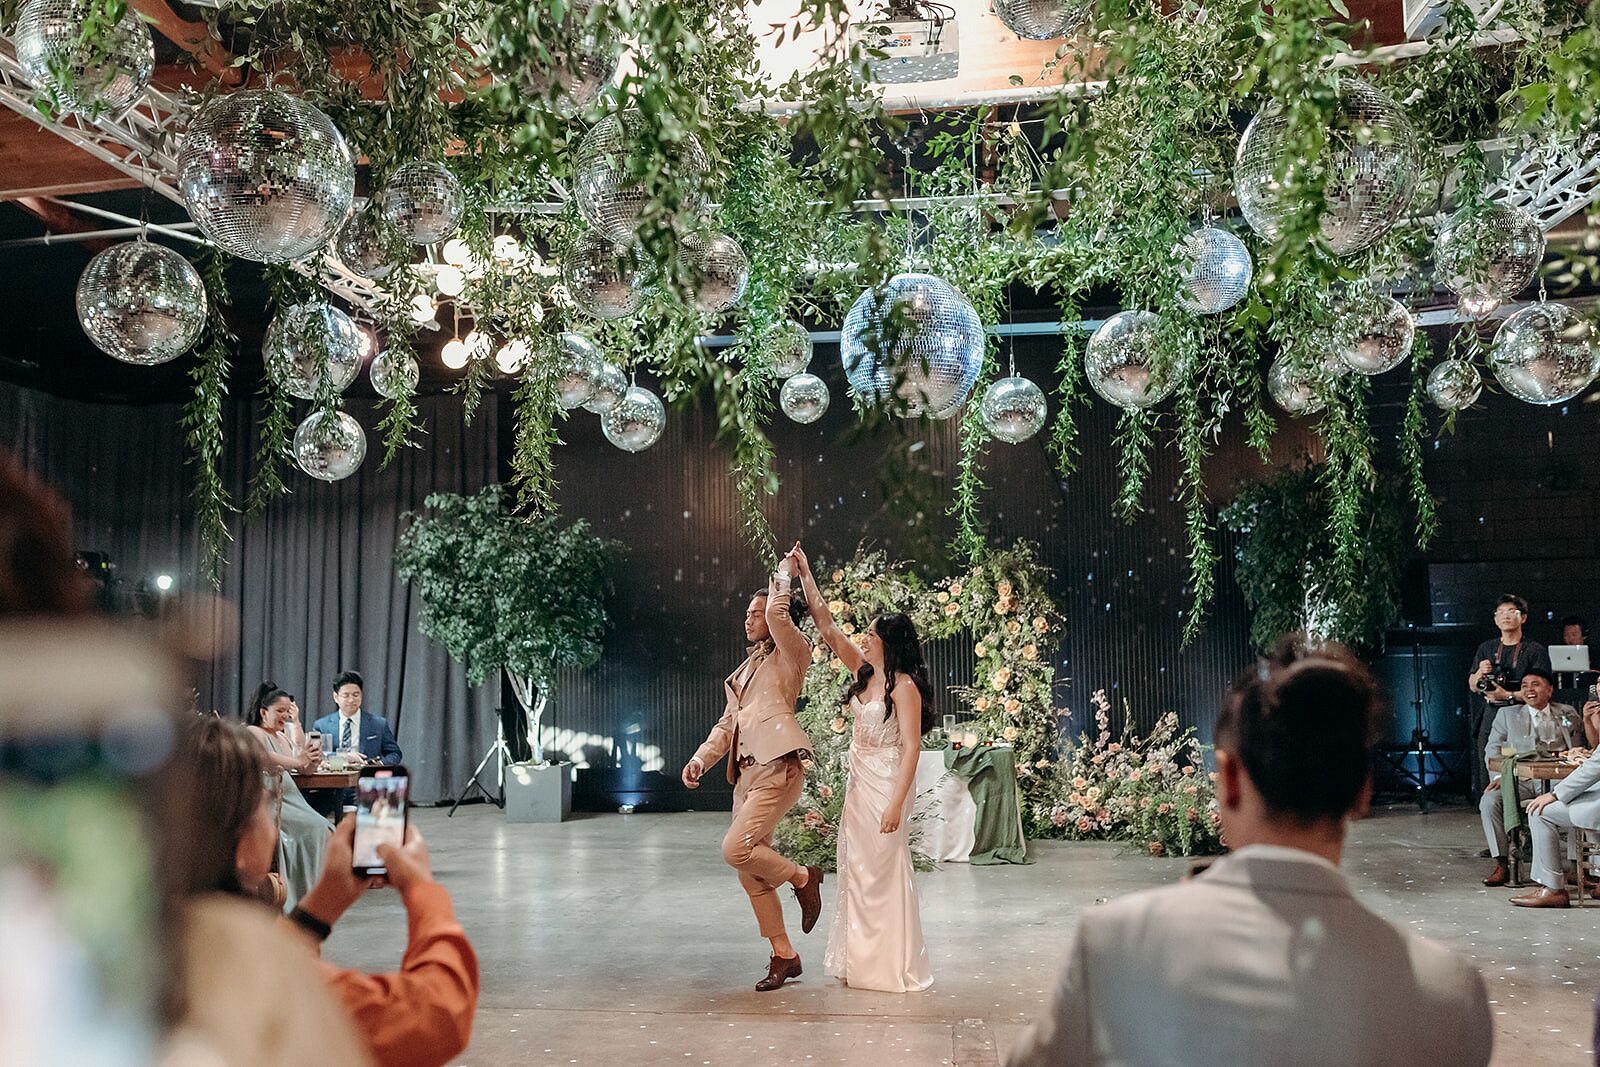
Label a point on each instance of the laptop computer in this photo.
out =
(1569, 658)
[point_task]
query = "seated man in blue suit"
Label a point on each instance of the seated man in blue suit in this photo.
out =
(351, 728)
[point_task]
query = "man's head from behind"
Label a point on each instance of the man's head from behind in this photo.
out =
(1294, 744)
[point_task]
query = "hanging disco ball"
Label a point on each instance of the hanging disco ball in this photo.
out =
(307, 341)
(1215, 267)
(717, 270)
(608, 197)
(1013, 409)
(1296, 391)
(602, 278)
(422, 202)
(1118, 361)
(791, 350)
(804, 398)
(265, 175)
(575, 363)
(915, 340)
(1489, 255)
(1372, 165)
(580, 58)
(610, 385)
(94, 80)
(635, 422)
(1041, 20)
(1545, 354)
(329, 445)
(367, 245)
(141, 303)
(1383, 341)
(393, 376)
(1454, 385)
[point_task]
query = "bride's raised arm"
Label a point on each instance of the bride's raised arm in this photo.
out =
(836, 639)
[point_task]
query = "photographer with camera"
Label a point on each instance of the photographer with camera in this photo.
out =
(1499, 665)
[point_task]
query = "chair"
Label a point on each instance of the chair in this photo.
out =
(1587, 848)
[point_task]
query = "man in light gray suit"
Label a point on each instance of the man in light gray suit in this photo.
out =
(1518, 727)
(1575, 801)
(1267, 957)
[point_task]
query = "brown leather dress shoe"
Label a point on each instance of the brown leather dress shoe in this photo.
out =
(779, 971)
(1543, 897)
(1499, 876)
(810, 897)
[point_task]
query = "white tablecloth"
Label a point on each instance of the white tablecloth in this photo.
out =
(943, 814)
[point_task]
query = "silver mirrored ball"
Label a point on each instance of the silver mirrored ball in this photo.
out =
(915, 341)
(141, 303)
(1454, 385)
(804, 398)
(603, 279)
(636, 421)
(1296, 391)
(1382, 340)
(574, 364)
(1215, 269)
(1545, 354)
(716, 270)
(367, 245)
(1042, 20)
(1488, 255)
(306, 342)
(1119, 361)
(791, 350)
(607, 389)
(104, 78)
(608, 197)
(422, 202)
(1013, 409)
(393, 375)
(330, 445)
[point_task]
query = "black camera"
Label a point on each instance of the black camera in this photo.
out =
(1491, 680)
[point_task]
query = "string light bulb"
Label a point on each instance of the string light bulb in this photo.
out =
(422, 309)
(456, 253)
(450, 281)
(454, 354)
(512, 356)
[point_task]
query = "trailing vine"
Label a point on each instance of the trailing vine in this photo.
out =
(203, 420)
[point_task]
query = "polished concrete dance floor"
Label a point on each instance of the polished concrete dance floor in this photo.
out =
(618, 940)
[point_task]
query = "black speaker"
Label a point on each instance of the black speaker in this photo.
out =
(1416, 593)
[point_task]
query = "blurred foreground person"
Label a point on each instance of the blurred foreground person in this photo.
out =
(1267, 957)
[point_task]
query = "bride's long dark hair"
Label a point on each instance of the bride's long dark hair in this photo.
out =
(902, 654)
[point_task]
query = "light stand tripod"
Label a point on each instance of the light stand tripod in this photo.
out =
(500, 752)
(1421, 747)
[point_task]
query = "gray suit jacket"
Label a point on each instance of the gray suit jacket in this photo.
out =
(1511, 726)
(1580, 792)
(1266, 958)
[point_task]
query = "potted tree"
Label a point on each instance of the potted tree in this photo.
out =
(521, 594)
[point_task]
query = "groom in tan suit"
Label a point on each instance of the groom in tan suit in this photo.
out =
(765, 745)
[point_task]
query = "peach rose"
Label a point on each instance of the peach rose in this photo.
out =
(814, 819)
(1040, 624)
(1030, 652)
(848, 628)
(955, 588)
(951, 609)
(1093, 794)
(980, 650)
(1192, 815)
(1084, 825)
(1010, 733)
(863, 586)
(1188, 771)
(1191, 789)
(1164, 808)
(838, 576)
(839, 724)
(825, 791)
(1013, 706)
(1013, 627)
(1134, 776)
(982, 703)
(1001, 678)
(1155, 848)
(1004, 589)
(1080, 783)
(819, 654)
(943, 598)
(1059, 817)
(1114, 747)
(836, 607)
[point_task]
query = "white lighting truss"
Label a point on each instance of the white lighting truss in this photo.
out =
(1551, 182)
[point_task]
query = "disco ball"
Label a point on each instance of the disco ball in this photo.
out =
(1013, 409)
(1041, 20)
(635, 422)
(1297, 391)
(1489, 255)
(791, 350)
(717, 270)
(367, 245)
(1372, 165)
(1382, 341)
(422, 202)
(1215, 268)
(306, 341)
(610, 385)
(1117, 361)
(607, 197)
(329, 445)
(603, 279)
(575, 363)
(102, 80)
(914, 339)
(141, 303)
(579, 59)
(1545, 354)
(1454, 384)
(265, 175)
(394, 376)
(804, 397)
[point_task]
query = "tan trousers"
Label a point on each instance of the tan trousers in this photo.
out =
(763, 795)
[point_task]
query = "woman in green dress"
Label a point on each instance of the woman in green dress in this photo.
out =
(302, 833)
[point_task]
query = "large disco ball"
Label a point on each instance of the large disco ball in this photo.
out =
(1215, 270)
(1488, 255)
(368, 245)
(1382, 340)
(608, 197)
(422, 202)
(915, 340)
(1454, 384)
(1013, 409)
(1041, 20)
(579, 57)
(141, 303)
(394, 375)
(1545, 354)
(102, 79)
(329, 445)
(1296, 390)
(307, 341)
(635, 422)
(804, 398)
(265, 175)
(574, 363)
(1372, 165)
(791, 350)
(717, 271)
(607, 389)
(1119, 365)
(603, 279)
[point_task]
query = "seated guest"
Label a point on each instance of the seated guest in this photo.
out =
(302, 833)
(1267, 957)
(351, 729)
(1574, 802)
(1519, 727)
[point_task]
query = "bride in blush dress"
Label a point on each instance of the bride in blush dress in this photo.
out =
(875, 941)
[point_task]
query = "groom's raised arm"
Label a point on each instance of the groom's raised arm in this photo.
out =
(786, 636)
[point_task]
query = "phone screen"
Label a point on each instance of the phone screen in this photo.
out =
(380, 815)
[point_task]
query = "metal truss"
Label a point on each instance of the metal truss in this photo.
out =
(1552, 182)
(143, 144)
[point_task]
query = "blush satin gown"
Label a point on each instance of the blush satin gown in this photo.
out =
(876, 938)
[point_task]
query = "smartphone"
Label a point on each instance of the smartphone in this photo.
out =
(381, 815)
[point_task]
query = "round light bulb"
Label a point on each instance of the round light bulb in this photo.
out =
(512, 355)
(450, 281)
(422, 309)
(456, 253)
(506, 249)
(163, 582)
(477, 343)
(454, 354)
(367, 340)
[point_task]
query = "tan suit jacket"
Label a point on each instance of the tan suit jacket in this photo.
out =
(759, 718)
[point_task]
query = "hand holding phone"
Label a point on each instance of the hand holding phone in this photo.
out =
(382, 815)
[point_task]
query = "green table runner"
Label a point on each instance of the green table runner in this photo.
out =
(991, 776)
(1510, 809)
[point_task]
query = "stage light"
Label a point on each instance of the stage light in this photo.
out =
(164, 582)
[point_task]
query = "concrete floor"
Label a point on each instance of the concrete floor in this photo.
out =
(621, 940)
